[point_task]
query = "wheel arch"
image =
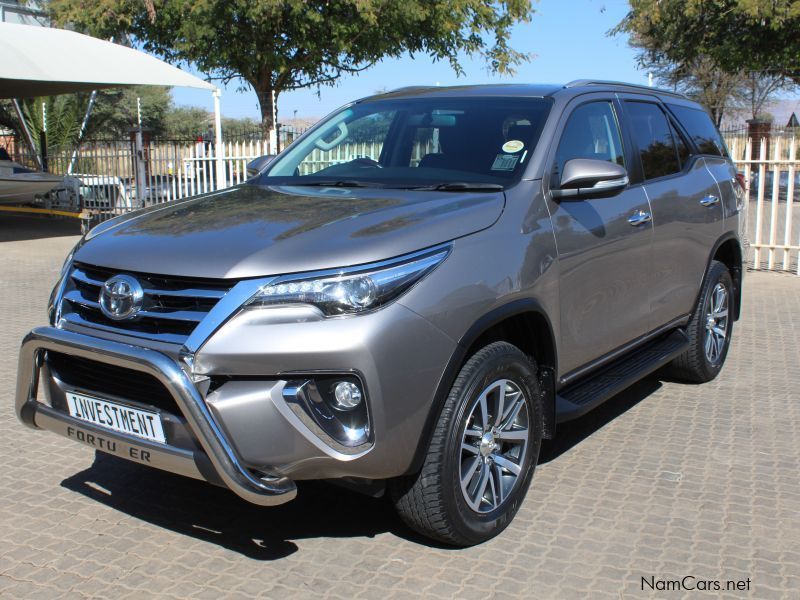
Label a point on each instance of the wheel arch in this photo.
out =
(728, 251)
(523, 323)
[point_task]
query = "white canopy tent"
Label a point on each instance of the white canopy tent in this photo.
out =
(42, 61)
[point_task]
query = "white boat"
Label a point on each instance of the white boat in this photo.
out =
(19, 185)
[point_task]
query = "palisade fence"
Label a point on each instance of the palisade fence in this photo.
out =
(771, 169)
(113, 177)
(116, 177)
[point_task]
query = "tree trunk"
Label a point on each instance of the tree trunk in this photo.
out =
(264, 91)
(717, 113)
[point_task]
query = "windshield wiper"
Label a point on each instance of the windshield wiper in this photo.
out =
(345, 183)
(462, 186)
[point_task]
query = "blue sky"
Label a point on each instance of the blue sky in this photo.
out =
(567, 37)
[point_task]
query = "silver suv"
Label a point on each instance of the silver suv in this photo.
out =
(409, 298)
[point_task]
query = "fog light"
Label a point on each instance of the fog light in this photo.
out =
(347, 395)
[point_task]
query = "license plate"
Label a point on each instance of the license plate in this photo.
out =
(111, 415)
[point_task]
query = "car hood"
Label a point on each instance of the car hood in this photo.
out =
(251, 231)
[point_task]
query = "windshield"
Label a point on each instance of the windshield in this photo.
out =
(417, 142)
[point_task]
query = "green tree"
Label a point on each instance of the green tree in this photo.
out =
(113, 115)
(115, 111)
(186, 122)
(63, 115)
(736, 36)
(280, 45)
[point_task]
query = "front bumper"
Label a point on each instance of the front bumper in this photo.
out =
(215, 458)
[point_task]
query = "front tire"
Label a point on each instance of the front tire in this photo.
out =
(482, 454)
(709, 329)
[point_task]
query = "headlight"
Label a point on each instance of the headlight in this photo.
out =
(352, 290)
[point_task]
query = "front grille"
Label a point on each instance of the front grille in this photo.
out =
(111, 380)
(173, 306)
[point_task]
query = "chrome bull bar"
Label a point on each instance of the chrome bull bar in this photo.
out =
(220, 453)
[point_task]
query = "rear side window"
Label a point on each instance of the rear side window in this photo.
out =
(683, 149)
(654, 138)
(702, 130)
(591, 132)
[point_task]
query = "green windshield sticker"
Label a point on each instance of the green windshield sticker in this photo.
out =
(505, 162)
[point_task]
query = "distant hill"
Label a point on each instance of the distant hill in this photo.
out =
(781, 111)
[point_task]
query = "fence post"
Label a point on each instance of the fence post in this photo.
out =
(762, 175)
(787, 233)
(760, 129)
(273, 141)
(748, 180)
(773, 214)
(139, 167)
(219, 150)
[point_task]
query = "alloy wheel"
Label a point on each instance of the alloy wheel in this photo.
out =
(493, 446)
(716, 323)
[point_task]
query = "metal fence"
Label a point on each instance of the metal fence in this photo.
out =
(107, 178)
(118, 176)
(113, 177)
(771, 168)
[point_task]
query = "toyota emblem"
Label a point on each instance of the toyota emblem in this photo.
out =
(121, 297)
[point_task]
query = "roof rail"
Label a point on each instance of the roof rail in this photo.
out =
(407, 88)
(637, 86)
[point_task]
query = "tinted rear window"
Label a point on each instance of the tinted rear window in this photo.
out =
(654, 137)
(701, 129)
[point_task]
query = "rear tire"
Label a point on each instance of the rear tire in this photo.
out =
(709, 329)
(482, 454)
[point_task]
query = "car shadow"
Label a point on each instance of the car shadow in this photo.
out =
(15, 228)
(215, 515)
(571, 433)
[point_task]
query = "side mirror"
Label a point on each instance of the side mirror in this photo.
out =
(255, 166)
(587, 177)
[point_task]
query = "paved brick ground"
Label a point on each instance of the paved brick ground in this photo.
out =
(665, 480)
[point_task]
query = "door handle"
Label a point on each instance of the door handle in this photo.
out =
(639, 218)
(709, 201)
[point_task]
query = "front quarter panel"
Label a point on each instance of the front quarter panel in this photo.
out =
(513, 260)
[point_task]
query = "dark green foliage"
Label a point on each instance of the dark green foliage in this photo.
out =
(279, 45)
(735, 35)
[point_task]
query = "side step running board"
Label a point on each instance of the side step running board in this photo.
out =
(579, 398)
